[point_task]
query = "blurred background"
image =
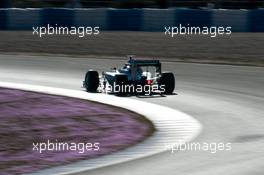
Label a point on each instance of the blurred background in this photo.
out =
(226, 4)
(136, 27)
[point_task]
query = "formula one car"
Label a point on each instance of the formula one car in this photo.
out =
(136, 77)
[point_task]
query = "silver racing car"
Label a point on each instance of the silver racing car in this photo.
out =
(137, 76)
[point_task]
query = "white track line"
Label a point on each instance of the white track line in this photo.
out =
(172, 127)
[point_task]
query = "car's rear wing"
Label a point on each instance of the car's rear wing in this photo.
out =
(134, 64)
(144, 62)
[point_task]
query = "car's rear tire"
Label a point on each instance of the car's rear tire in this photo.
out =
(121, 81)
(168, 81)
(91, 81)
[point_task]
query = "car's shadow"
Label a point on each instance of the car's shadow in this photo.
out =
(155, 96)
(145, 96)
(135, 95)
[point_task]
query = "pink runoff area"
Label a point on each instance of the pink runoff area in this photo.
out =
(29, 117)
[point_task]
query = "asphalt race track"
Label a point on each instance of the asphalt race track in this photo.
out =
(227, 100)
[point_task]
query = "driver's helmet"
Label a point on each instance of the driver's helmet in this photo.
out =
(130, 59)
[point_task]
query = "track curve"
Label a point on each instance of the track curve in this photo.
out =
(227, 100)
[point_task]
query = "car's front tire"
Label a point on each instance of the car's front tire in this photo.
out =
(91, 81)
